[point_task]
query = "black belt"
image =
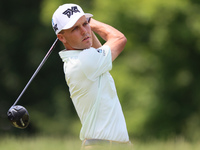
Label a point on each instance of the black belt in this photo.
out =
(89, 142)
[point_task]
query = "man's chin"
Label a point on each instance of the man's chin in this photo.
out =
(86, 46)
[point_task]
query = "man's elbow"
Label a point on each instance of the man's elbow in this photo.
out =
(123, 41)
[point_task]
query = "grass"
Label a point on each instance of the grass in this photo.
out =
(39, 143)
(54, 143)
(173, 144)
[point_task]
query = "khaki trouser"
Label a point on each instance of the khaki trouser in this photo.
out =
(96, 144)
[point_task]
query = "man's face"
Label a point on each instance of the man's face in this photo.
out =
(77, 37)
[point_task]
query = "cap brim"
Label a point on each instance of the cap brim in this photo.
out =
(87, 15)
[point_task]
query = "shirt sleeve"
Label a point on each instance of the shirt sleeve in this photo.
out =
(95, 62)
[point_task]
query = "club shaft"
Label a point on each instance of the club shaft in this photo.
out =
(36, 71)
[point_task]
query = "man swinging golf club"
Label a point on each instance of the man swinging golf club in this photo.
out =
(86, 66)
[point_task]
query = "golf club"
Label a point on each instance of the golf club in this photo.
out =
(18, 115)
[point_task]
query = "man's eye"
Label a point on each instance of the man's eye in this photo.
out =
(75, 28)
(85, 23)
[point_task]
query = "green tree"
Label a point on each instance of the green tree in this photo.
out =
(159, 75)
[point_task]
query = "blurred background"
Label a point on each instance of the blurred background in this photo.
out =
(157, 76)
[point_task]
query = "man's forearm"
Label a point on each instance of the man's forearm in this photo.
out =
(114, 38)
(104, 30)
(95, 41)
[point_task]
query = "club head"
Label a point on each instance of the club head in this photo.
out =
(18, 116)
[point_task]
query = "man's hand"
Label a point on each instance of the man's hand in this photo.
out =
(95, 41)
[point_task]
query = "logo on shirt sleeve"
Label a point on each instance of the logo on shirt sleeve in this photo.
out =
(101, 51)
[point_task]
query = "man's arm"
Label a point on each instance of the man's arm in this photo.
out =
(114, 38)
(95, 41)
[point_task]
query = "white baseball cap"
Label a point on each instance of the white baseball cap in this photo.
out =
(66, 16)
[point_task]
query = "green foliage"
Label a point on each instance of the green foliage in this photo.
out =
(157, 75)
(158, 79)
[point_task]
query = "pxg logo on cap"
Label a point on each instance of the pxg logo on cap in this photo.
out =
(69, 12)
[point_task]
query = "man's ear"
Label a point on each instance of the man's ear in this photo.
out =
(61, 38)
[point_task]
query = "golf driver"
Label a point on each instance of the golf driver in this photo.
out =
(18, 115)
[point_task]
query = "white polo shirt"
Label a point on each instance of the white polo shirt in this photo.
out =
(92, 90)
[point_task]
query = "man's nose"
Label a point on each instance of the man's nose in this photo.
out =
(83, 30)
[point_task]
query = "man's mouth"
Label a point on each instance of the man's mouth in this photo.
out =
(86, 38)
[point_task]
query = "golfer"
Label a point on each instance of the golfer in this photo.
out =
(86, 66)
